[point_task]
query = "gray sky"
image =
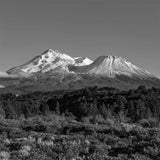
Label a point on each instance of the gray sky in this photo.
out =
(126, 28)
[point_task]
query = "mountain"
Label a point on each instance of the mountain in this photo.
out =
(111, 66)
(50, 60)
(53, 70)
(56, 62)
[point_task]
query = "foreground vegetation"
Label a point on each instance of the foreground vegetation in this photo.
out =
(63, 138)
(87, 124)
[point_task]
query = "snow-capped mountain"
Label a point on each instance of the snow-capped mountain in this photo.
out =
(111, 66)
(50, 60)
(53, 70)
(56, 62)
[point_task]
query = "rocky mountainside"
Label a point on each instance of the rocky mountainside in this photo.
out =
(53, 70)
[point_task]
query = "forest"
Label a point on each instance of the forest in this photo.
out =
(132, 105)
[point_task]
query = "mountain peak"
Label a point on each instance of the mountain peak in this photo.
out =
(50, 53)
(113, 65)
(108, 58)
(48, 50)
(111, 56)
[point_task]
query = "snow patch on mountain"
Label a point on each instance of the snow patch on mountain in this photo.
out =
(79, 61)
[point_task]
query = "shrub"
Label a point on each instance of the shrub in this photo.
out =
(150, 123)
(4, 155)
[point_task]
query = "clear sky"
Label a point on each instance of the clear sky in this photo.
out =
(126, 28)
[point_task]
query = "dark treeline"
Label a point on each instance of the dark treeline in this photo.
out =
(132, 105)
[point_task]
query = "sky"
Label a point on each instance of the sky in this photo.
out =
(84, 28)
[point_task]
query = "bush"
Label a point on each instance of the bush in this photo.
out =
(150, 123)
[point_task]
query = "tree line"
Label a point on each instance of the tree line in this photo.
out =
(131, 105)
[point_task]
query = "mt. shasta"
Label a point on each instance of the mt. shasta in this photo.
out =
(55, 61)
(53, 70)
